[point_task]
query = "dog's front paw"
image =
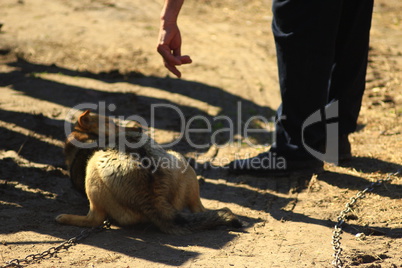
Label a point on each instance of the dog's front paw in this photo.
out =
(62, 218)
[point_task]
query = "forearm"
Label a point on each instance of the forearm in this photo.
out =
(171, 10)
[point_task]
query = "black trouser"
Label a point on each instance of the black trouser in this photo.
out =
(322, 49)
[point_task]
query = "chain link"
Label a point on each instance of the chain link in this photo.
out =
(337, 233)
(51, 252)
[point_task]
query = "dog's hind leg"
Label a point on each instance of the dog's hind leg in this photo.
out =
(94, 218)
(97, 195)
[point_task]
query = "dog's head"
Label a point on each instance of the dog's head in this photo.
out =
(101, 125)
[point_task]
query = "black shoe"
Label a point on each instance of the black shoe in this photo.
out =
(273, 162)
(344, 151)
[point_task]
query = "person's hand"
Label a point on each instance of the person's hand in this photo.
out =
(169, 47)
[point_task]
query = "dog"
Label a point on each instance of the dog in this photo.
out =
(135, 184)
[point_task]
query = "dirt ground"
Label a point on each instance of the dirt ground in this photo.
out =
(57, 54)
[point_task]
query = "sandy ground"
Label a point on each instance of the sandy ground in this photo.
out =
(57, 54)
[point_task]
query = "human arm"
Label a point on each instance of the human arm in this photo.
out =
(169, 42)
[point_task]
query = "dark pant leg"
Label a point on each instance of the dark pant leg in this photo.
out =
(307, 41)
(349, 72)
(305, 34)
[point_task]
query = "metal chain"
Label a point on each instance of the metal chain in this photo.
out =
(336, 237)
(49, 253)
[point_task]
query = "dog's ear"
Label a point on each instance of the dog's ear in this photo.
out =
(84, 120)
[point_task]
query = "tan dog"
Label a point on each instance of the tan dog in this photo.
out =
(134, 184)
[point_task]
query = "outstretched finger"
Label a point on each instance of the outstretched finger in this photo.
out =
(185, 59)
(173, 69)
(165, 52)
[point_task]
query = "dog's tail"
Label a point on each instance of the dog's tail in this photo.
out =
(185, 223)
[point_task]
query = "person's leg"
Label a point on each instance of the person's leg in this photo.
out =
(305, 36)
(349, 73)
